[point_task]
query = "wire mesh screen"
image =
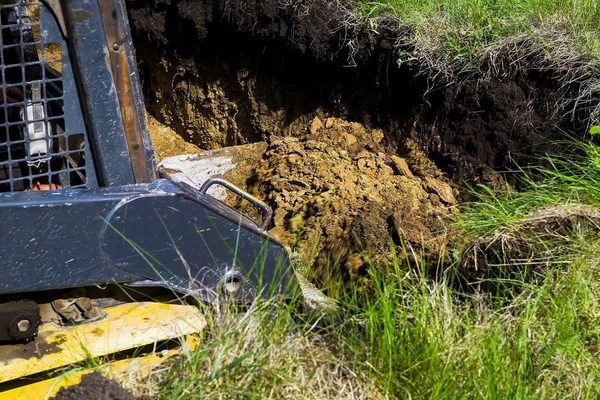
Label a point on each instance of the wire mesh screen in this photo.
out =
(39, 150)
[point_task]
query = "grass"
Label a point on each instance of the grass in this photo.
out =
(556, 215)
(414, 339)
(262, 354)
(436, 342)
(451, 40)
(494, 333)
(458, 28)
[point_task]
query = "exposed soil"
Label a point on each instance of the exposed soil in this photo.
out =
(94, 387)
(338, 196)
(358, 147)
(231, 72)
(166, 141)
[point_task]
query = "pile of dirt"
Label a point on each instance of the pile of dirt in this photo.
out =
(339, 196)
(94, 387)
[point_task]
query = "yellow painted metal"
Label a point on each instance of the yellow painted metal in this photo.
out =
(44, 389)
(127, 370)
(128, 326)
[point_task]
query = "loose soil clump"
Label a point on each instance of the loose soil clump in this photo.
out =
(94, 387)
(341, 199)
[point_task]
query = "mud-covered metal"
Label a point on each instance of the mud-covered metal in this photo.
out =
(124, 72)
(127, 326)
(19, 320)
(98, 92)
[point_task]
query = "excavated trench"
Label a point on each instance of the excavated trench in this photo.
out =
(350, 149)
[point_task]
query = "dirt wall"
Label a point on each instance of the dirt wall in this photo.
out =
(230, 72)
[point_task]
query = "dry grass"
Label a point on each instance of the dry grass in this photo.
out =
(262, 354)
(549, 49)
(539, 239)
(550, 222)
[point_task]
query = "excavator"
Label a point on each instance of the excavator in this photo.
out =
(100, 256)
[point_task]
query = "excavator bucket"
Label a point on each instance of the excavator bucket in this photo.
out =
(100, 257)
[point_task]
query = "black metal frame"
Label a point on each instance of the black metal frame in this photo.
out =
(116, 229)
(42, 134)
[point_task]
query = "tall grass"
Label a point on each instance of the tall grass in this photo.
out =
(413, 338)
(262, 353)
(427, 340)
(551, 221)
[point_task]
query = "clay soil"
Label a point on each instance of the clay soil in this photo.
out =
(338, 196)
(360, 154)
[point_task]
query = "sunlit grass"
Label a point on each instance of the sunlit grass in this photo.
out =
(463, 25)
(452, 40)
(412, 338)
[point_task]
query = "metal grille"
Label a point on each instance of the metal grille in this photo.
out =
(39, 150)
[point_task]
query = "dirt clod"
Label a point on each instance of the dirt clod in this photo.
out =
(401, 167)
(94, 386)
(341, 199)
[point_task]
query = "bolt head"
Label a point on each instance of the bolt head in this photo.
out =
(233, 286)
(23, 325)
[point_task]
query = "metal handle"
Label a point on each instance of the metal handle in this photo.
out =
(266, 210)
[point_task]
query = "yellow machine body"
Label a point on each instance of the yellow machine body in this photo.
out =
(61, 355)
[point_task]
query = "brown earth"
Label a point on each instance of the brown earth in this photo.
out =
(339, 197)
(227, 72)
(166, 141)
(94, 387)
